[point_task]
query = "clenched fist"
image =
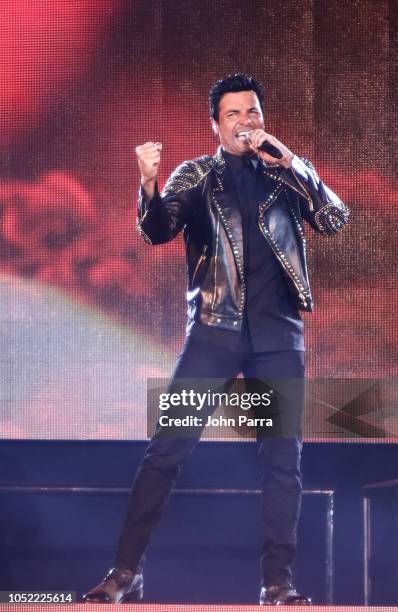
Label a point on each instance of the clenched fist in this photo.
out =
(148, 156)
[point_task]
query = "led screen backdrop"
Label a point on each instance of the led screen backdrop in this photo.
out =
(88, 311)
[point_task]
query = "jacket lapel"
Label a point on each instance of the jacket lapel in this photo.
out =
(224, 198)
(273, 176)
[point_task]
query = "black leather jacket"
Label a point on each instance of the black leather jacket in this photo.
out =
(195, 199)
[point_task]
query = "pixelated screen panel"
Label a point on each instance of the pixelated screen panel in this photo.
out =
(88, 311)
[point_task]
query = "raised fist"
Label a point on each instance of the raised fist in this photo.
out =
(148, 156)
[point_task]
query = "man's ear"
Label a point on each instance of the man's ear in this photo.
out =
(214, 125)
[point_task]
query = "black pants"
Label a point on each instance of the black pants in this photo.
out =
(280, 456)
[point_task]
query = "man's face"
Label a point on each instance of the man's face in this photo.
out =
(238, 112)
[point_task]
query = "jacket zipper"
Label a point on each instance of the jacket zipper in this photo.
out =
(200, 261)
(235, 251)
(310, 202)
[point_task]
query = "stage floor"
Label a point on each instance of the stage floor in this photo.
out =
(182, 608)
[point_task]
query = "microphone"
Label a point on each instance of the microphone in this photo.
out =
(267, 147)
(271, 149)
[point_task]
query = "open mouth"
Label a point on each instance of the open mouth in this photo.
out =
(243, 135)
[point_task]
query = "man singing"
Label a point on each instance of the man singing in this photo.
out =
(241, 212)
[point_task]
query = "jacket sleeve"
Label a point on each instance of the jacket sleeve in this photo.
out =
(161, 218)
(322, 208)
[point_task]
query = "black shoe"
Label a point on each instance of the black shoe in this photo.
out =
(118, 586)
(282, 595)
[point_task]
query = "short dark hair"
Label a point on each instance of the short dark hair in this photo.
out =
(230, 84)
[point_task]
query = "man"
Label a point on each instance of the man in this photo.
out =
(242, 214)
